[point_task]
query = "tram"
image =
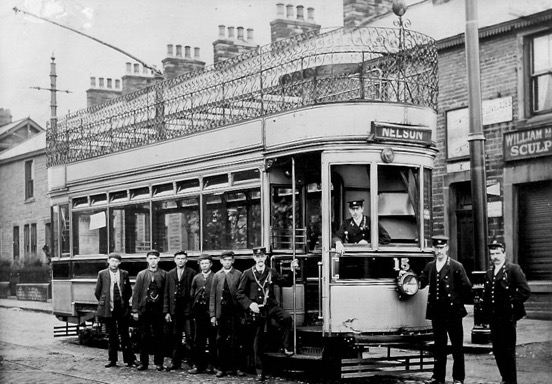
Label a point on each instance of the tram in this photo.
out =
(266, 149)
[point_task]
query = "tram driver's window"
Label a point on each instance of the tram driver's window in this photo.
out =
(282, 218)
(398, 203)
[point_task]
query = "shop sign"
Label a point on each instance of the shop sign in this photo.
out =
(395, 132)
(528, 143)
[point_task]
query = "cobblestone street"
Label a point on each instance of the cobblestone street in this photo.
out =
(30, 354)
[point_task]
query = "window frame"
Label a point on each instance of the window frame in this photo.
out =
(29, 179)
(529, 76)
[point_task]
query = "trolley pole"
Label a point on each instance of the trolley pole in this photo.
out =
(476, 140)
(293, 220)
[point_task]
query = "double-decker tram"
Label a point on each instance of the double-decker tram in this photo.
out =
(267, 149)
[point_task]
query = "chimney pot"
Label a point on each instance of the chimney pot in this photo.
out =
(240, 33)
(196, 53)
(136, 68)
(187, 52)
(129, 67)
(118, 84)
(179, 51)
(289, 9)
(231, 33)
(280, 10)
(93, 82)
(109, 83)
(169, 49)
(250, 34)
(310, 14)
(222, 29)
(300, 14)
(101, 85)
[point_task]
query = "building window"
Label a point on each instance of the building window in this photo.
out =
(541, 73)
(26, 240)
(29, 179)
(15, 243)
(33, 239)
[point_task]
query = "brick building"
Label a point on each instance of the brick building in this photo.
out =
(515, 41)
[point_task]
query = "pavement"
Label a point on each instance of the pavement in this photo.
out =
(528, 330)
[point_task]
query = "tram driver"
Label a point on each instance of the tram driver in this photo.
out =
(356, 229)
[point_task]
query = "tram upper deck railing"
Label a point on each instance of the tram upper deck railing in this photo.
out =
(371, 64)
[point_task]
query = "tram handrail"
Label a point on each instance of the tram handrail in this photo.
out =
(367, 63)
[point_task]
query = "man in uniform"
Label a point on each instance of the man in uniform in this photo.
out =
(256, 295)
(224, 310)
(177, 308)
(356, 229)
(449, 287)
(147, 308)
(113, 292)
(204, 331)
(505, 291)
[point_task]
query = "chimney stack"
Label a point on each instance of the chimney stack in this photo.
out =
(170, 49)
(357, 12)
(226, 47)
(103, 91)
(283, 28)
(134, 79)
(174, 66)
(5, 116)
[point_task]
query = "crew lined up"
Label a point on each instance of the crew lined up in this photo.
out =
(218, 310)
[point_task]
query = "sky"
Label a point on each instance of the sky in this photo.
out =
(142, 28)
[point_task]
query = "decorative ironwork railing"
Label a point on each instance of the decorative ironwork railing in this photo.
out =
(372, 64)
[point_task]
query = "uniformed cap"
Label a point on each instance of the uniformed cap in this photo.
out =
(356, 203)
(259, 251)
(226, 254)
(114, 256)
(496, 244)
(180, 253)
(153, 252)
(204, 256)
(440, 241)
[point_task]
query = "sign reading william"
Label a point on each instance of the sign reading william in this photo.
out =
(528, 143)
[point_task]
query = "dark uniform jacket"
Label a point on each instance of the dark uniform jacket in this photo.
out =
(103, 294)
(350, 232)
(201, 293)
(457, 289)
(504, 299)
(250, 291)
(141, 288)
(215, 303)
(169, 304)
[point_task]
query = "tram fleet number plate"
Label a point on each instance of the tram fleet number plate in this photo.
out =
(385, 131)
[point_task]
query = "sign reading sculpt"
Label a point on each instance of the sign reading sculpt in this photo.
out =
(528, 143)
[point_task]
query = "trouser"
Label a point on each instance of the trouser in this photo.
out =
(229, 354)
(181, 326)
(452, 327)
(205, 334)
(503, 336)
(117, 328)
(152, 335)
(284, 321)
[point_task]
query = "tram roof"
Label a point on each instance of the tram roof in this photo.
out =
(360, 64)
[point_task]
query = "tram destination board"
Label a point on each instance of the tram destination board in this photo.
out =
(402, 133)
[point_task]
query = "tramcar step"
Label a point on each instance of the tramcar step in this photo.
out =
(66, 330)
(297, 356)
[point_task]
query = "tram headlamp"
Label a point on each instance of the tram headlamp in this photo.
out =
(407, 284)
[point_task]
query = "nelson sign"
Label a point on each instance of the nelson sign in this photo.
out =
(528, 143)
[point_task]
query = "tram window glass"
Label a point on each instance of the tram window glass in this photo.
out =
(176, 225)
(80, 202)
(428, 211)
(60, 270)
(89, 232)
(398, 203)
(217, 181)
(246, 176)
(232, 220)
(163, 190)
(88, 268)
(350, 182)
(139, 193)
(282, 218)
(116, 197)
(65, 230)
(314, 216)
(130, 229)
(98, 199)
(187, 186)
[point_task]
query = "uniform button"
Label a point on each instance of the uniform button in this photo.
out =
(258, 289)
(449, 295)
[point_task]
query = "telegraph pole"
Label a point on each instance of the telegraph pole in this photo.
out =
(476, 138)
